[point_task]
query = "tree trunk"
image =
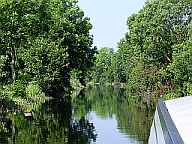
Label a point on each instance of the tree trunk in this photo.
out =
(13, 61)
(13, 65)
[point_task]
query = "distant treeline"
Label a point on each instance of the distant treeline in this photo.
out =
(156, 52)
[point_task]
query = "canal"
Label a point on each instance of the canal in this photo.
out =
(97, 115)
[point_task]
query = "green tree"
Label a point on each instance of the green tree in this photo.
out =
(181, 67)
(43, 41)
(153, 33)
(103, 71)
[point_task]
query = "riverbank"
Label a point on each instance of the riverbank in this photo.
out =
(30, 97)
(25, 97)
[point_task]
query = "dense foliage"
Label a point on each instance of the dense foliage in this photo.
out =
(155, 53)
(43, 41)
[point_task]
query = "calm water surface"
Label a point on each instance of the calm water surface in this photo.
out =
(98, 115)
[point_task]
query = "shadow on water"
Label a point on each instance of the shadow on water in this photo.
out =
(52, 123)
(6, 107)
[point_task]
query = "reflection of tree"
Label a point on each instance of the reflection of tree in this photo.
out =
(133, 115)
(134, 118)
(51, 123)
(81, 104)
(81, 131)
(6, 107)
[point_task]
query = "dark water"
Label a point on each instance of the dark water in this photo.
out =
(99, 115)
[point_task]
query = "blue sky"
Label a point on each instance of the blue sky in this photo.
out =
(109, 18)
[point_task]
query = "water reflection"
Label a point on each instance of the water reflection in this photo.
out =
(52, 123)
(133, 116)
(95, 115)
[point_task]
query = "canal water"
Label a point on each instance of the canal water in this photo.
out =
(97, 115)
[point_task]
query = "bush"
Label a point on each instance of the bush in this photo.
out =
(33, 90)
(19, 89)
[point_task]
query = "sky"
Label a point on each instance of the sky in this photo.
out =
(109, 18)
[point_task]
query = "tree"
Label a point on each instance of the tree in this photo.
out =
(103, 69)
(153, 33)
(181, 67)
(44, 40)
